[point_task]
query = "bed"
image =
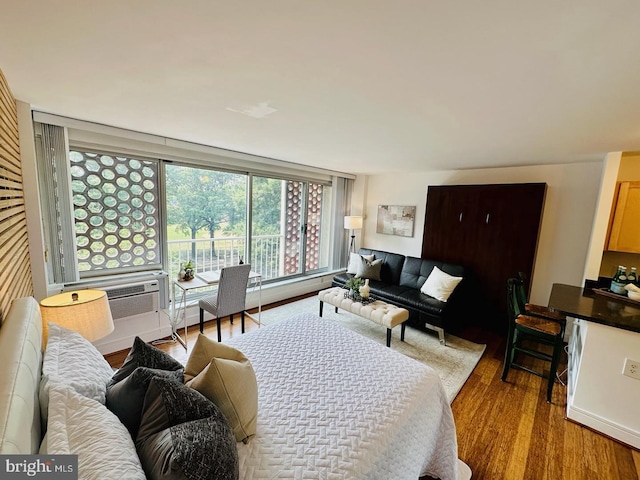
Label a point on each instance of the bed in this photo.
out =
(332, 404)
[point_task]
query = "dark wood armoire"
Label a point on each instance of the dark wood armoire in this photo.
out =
(490, 229)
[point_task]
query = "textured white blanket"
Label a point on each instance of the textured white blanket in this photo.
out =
(336, 405)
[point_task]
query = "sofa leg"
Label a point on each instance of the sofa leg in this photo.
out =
(440, 332)
(402, 329)
(388, 337)
(321, 305)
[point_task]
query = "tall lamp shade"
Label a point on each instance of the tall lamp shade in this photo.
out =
(352, 222)
(85, 311)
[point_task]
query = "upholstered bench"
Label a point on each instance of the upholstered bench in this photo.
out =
(378, 311)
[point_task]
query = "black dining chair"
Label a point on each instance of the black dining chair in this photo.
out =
(230, 297)
(528, 329)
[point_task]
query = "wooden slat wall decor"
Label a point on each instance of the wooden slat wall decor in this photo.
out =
(15, 269)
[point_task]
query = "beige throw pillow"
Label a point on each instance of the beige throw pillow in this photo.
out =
(225, 376)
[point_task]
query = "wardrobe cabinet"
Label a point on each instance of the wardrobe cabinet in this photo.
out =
(490, 229)
(624, 233)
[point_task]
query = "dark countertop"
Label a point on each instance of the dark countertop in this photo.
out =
(583, 303)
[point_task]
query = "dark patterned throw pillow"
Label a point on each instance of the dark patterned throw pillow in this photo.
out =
(126, 397)
(144, 355)
(183, 435)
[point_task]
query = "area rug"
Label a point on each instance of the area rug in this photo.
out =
(453, 362)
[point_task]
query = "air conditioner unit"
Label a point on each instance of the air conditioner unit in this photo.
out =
(132, 299)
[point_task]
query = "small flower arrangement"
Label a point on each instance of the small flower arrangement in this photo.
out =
(354, 284)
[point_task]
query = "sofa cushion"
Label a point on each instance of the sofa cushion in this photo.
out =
(440, 284)
(416, 271)
(391, 264)
(369, 269)
(354, 261)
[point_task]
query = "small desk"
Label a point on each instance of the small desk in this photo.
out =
(201, 280)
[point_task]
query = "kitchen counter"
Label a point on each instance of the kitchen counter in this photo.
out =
(583, 303)
(604, 336)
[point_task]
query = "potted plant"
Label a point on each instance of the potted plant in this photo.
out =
(189, 270)
(354, 284)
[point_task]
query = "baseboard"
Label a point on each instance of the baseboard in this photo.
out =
(606, 427)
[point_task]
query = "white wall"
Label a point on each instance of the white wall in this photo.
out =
(570, 206)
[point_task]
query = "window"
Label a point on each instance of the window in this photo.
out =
(206, 218)
(290, 225)
(116, 211)
(112, 211)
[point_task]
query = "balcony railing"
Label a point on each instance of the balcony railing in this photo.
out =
(216, 253)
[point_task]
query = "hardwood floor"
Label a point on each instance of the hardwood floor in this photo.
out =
(506, 431)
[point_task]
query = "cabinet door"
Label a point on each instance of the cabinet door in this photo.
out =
(492, 230)
(450, 213)
(624, 235)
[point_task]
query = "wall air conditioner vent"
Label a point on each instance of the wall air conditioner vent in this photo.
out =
(117, 292)
(133, 299)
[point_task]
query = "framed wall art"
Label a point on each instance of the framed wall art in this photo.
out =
(396, 220)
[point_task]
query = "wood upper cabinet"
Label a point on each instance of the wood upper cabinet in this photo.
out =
(490, 229)
(624, 232)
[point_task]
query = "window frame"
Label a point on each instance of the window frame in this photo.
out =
(121, 142)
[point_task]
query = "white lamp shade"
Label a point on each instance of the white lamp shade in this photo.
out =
(89, 314)
(353, 222)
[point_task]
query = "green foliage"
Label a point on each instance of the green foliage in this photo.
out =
(354, 283)
(203, 199)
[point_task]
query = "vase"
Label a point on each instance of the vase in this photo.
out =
(364, 290)
(181, 273)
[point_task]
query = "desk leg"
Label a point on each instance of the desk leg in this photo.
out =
(260, 302)
(174, 315)
(184, 318)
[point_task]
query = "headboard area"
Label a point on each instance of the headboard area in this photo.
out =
(14, 246)
(21, 360)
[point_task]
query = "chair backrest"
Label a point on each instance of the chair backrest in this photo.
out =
(232, 289)
(516, 297)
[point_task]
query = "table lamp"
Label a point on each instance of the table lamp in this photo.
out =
(352, 222)
(85, 311)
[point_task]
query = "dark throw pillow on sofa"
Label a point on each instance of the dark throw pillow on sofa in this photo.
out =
(144, 355)
(370, 270)
(183, 435)
(126, 397)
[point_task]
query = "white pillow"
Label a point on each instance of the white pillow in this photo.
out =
(440, 284)
(81, 426)
(354, 261)
(70, 359)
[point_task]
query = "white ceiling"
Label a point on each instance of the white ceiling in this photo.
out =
(357, 86)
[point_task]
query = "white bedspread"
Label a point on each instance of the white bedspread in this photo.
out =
(336, 405)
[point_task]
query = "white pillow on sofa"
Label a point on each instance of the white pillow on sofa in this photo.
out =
(439, 284)
(81, 426)
(71, 360)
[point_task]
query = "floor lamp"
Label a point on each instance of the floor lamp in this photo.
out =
(352, 223)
